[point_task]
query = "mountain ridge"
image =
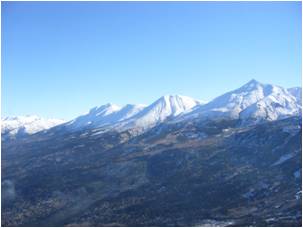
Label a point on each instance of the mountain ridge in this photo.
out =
(23, 125)
(249, 102)
(252, 102)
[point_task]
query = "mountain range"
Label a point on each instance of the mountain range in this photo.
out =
(19, 126)
(233, 161)
(252, 103)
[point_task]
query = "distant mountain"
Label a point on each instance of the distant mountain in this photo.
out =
(235, 161)
(253, 101)
(164, 108)
(13, 127)
(104, 115)
(139, 117)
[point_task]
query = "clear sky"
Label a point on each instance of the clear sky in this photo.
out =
(60, 59)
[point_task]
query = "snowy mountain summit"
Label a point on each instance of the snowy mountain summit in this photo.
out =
(133, 116)
(253, 101)
(164, 108)
(20, 125)
(104, 115)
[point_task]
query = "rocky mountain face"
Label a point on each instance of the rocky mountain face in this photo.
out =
(186, 168)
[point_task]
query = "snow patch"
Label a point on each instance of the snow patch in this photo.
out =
(283, 159)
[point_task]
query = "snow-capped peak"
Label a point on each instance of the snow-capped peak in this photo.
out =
(251, 85)
(175, 104)
(29, 124)
(254, 100)
(251, 102)
(165, 107)
(232, 103)
(133, 116)
(104, 115)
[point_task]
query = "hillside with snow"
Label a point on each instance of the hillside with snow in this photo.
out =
(253, 101)
(105, 115)
(21, 125)
(129, 165)
(139, 117)
(166, 107)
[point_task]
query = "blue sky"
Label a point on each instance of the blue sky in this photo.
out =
(60, 59)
